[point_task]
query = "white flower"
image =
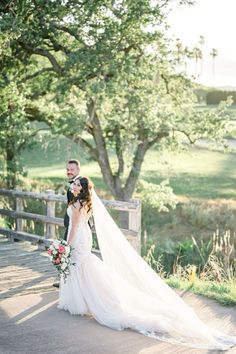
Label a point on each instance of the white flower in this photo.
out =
(67, 251)
(56, 244)
(63, 266)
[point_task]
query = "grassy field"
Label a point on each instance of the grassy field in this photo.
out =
(224, 293)
(196, 173)
(203, 180)
(47, 162)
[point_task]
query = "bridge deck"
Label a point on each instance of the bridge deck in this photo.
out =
(31, 323)
(24, 269)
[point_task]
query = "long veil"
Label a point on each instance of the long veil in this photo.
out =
(149, 305)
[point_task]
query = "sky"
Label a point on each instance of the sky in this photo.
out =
(215, 20)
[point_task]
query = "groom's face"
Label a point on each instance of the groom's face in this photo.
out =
(72, 170)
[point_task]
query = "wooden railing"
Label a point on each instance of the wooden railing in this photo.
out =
(133, 208)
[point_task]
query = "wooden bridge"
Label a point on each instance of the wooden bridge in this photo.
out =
(132, 208)
(30, 321)
(26, 267)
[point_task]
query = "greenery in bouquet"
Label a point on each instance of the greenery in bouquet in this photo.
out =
(60, 256)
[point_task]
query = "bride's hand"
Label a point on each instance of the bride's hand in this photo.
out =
(69, 242)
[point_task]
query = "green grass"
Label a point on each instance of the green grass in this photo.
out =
(48, 161)
(224, 292)
(197, 173)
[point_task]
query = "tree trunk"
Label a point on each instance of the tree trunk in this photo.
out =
(102, 157)
(11, 165)
(113, 181)
(132, 179)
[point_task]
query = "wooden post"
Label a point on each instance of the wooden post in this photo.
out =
(50, 228)
(135, 225)
(19, 207)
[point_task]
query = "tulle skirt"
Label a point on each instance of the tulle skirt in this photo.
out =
(92, 289)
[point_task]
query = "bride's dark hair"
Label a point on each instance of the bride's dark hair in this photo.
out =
(85, 195)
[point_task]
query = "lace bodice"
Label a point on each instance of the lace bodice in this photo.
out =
(82, 242)
(84, 216)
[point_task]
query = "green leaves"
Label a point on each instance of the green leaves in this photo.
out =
(102, 70)
(160, 197)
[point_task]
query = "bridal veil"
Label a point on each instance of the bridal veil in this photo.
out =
(149, 305)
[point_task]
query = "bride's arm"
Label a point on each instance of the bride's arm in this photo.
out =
(75, 217)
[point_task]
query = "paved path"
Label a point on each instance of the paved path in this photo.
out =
(31, 323)
(24, 269)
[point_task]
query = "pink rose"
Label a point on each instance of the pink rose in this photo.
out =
(57, 261)
(49, 252)
(61, 249)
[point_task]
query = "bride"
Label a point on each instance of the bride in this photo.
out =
(121, 290)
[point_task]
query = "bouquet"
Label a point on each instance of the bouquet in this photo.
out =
(59, 254)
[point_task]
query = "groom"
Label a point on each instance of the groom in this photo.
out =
(72, 171)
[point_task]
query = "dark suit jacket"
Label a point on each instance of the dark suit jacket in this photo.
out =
(66, 217)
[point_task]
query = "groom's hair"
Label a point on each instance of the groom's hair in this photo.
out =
(75, 162)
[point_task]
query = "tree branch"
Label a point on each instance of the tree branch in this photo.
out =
(119, 152)
(97, 133)
(138, 160)
(57, 46)
(37, 73)
(164, 78)
(135, 170)
(192, 141)
(79, 140)
(19, 147)
(69, 31)
(159, 136)
(45, 53)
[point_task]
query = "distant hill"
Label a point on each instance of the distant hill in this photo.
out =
(216, 96)
(226, 88)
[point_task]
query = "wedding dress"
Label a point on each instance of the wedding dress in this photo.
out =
(122, 291)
